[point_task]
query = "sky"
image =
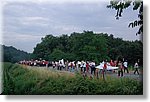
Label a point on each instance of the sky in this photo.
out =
(25, 22)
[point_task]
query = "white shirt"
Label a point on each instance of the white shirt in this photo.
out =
(125, 64)
(136, 65)
(93, 63)
(84, 64)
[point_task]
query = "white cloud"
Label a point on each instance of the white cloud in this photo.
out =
(57, 1)
(67, 29)
(36, 18)
(11, 37)
(27, 21)
(24, 42)
(38, 21)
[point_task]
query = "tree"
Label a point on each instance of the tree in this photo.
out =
(119, 6)
(56, 55)
(14, 55)
(88, 46)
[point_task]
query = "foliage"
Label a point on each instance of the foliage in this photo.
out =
(13, 55)
(88, 46)
(119, 6)
(18, 80)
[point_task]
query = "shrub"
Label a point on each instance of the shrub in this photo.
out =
(20, 80)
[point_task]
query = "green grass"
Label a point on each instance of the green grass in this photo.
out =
(21, 80)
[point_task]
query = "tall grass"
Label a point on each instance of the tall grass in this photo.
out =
(20, 80)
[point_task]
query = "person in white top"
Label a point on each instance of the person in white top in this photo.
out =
(136, 66)
(84, 66)
(81, 66)
(125, 64)
(93, 68)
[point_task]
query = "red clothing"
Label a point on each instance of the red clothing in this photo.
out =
(111, 63)
(115, 63)
(71, 64)
(105, 66)
(46, 62)
(87, 67)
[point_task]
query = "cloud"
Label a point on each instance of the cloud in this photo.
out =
(40, 21)
(34, 19)
(57, 1)
(21, 41)
(15, 37)
(28, 21)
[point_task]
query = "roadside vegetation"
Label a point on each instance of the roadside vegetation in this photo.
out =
(22, 80)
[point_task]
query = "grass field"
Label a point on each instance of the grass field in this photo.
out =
(20, 80)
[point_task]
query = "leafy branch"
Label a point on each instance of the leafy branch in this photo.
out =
(119, 6)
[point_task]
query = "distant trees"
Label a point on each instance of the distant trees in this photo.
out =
(80, 46)
(11, 54)
(88, 46)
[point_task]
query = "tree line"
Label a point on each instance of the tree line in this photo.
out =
(88, 46)
(11, 54)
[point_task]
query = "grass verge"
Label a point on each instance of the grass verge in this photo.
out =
(20, 80)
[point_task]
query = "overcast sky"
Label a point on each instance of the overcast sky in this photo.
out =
(25, 22)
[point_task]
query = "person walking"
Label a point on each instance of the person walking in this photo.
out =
(136, 66)
(53, 64)
(125, 64)
(120, 69)
(104, 69)
(84, 66)
(60, 66)
(93, 68)
(87, 67)
(82, 63)
(112, 63)
(66, 65)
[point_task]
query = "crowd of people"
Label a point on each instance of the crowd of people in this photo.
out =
(85, 67)
(41, 63)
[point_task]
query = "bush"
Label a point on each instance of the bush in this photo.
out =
(20, 80)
